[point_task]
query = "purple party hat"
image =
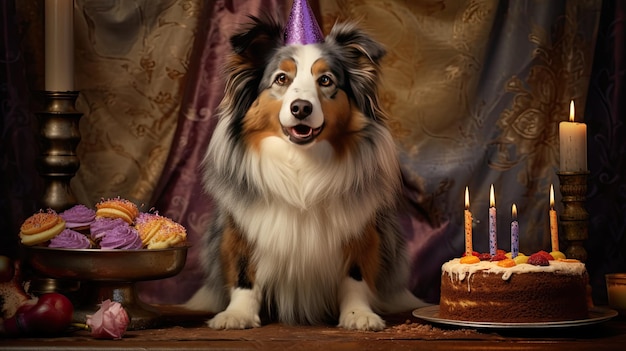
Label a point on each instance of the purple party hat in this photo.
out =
(302, 27)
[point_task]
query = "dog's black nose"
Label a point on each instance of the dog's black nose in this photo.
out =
(301, 109)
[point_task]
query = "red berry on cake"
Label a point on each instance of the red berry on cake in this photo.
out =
(499, 256)
(474, 253)
(546, 255)
(538, 259)
(485, 256)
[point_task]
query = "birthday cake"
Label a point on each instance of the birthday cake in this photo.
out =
(542, 289)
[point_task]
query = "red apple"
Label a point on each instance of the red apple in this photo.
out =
(51, 314)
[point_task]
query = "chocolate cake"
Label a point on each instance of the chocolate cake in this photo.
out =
(487, 292)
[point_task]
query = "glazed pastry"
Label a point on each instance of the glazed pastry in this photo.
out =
(41, 227)
(117, 208)
(70, 239)
(158, 232)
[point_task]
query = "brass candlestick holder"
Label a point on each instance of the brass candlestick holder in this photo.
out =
(575, 218)
(59, 136)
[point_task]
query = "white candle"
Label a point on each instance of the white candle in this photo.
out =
(468, 225)
(59, 45)
(493, 236)
(573, 144)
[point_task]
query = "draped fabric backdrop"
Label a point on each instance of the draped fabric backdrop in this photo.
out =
(476, 90)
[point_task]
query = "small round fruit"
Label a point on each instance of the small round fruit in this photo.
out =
(557, 255)
(521, 259)
(51, 314)
(507, 262)
(469, 259)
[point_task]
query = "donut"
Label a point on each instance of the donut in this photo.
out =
(117, 208)
(41, 227)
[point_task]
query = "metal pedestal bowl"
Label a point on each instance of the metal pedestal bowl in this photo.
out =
(108, 274)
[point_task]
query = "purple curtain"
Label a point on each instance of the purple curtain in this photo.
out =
(180, 195)
(20, 184)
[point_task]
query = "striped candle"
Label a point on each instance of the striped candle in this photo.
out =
(514, 233)
(493, 237)
(468, 225)
(554, 225)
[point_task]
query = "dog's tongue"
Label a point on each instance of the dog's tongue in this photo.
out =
(302, 134)
(302, 131)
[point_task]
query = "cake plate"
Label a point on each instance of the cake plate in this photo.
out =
(108, 274)
(596, 315)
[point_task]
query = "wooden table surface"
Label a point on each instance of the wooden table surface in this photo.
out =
(181, 330)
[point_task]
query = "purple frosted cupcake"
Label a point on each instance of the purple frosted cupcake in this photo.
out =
(102, 225)
(78, 217)
(121, 237)
(70, 239)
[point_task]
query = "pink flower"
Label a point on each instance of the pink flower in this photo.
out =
(109, 322)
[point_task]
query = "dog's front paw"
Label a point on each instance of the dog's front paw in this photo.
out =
(361, 320)
(234, 320)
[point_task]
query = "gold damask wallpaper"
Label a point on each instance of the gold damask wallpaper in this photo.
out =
(435, 52)
(132, 60)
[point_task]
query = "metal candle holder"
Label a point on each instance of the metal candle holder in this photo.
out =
(575, 218)
(59, 136)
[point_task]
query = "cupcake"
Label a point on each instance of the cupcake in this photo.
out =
(78, 217)
(122, 237)
(70, 239)
(102, 225)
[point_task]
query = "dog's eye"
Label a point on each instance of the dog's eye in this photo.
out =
(325, 81)
(281, 79)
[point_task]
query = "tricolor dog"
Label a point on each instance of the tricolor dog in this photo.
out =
(306, 182)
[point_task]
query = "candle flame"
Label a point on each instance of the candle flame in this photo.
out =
(514, 211)
(492, 197)
(466, 198)
(551, 196)
(571, 111)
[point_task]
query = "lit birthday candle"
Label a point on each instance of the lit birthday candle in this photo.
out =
(468, 225)
(514, 233)
(554, 226)
(493, 238)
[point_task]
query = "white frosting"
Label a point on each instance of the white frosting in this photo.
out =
(460, 271)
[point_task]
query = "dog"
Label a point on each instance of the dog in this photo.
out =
(305, 179)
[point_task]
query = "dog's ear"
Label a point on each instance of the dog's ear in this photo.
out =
(258, 41)
(251, 48)
(356, 43)
(361, 56)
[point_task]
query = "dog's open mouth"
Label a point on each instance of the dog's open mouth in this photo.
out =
(301, 134)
